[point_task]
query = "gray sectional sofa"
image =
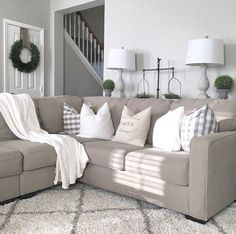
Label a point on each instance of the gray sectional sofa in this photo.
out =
(198, 184)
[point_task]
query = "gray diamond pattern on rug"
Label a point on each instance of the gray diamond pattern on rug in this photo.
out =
(40, 223)
(49, 201)
(2, 218)
(222, 219)
(112, 221)
(101, 200)
(5, 209)
(88, 210)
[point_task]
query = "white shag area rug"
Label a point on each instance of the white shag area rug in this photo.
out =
(85, 209)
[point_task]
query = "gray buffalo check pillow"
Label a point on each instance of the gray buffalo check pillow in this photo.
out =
(71, 120)
(197, 123)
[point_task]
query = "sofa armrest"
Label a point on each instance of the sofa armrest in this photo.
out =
(212, 174)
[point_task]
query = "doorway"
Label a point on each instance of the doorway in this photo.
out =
(19, 82)
(57, 82)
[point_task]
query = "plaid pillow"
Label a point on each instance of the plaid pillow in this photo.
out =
(71, 120)
(197, 123)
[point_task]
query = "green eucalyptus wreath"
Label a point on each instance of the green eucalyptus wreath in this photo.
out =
(16, 61)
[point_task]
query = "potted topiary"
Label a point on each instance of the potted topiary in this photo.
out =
(108, 87)
(224, 85)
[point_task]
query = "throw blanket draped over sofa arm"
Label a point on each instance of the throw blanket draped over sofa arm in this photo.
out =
(212, 175)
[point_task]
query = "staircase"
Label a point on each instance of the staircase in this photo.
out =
(91, 51)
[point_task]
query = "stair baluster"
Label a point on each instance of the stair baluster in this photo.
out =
(95, 52)
(102, 55)
(99, 64)
(70, 24)
(91, 48)
(99, 52)
(79, 29)
(74, 26)
(87, 43)
(83, 38)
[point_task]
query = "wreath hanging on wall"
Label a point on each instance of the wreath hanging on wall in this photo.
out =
(24, 66)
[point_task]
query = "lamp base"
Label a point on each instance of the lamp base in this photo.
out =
(203, 95)
(203, 84)
(120, 85)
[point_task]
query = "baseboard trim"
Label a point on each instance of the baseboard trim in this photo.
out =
(195, 220)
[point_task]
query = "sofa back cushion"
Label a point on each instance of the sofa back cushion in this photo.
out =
(223, 109)
(159, 108)
(116, 106)
(51, 111)
(5, 132)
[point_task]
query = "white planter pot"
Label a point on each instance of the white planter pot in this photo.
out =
(107, 93)
(223, 93)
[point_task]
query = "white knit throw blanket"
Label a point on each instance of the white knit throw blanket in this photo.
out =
(20, 116)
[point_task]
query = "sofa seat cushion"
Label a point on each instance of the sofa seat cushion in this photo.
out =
(35, 155)
(82, 140)
(108, 154)
(172, 167)
(10, 162)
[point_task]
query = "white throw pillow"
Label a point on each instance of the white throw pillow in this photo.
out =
(166, 132)
(196, 124)
(133, 128)
(96, 125)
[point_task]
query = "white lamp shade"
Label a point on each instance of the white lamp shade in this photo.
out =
(121, 59)
(205, 51)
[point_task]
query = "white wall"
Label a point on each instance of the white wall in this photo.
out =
(157, 28)
(32, 12)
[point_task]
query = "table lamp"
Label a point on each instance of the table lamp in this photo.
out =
(205, 52)
(121, 60)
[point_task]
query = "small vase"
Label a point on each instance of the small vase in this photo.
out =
(223, 93)
(107, 92)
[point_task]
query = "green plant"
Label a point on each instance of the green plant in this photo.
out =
(16, 61)
(108, 85)
(224, 82)
(143, 95)
(171, 96)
